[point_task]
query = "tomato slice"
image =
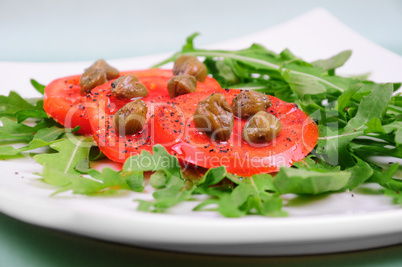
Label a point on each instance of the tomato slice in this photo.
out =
(64, 102)
(101, 105)
(176, 131)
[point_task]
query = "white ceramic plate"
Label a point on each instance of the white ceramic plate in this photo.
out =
(337, 222)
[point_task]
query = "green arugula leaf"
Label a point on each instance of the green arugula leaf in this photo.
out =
(160, 160)
(59, 168)
(66, 169)
(106, 182)
(374, 126)
(304, 85)
(213, 177)
(50, 134)
(235, 204)
(173, 191)
(334, 143)
(359, 174)
(96, 154)
(39, 87)
(304, 181)
(379, 98)
(345, 99)
(333, 62)
(83, 166)
(158, 179)
(134, 180)
(22, 115)
(43, 137)
(13, 103)
(12, 130)
(385, 178)
(251, 196)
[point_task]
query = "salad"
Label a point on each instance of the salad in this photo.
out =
(348, 118)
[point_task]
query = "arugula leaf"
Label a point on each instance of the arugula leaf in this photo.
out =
(66, 169)
(83, 166)
(96, 154)
(212, 177)
(22, 115)
(13, 103)
(252, 195)
(108, 179)
(134, 180)
(59, 168)
(174, 189)
(333, 62)
(385, 178)
(160, 160)
(359, 174)
(304, 181)
(253, 192)
(158, 179)
(44, 137)
(108, 182)
(334, 142)
(39, 87)
(12, 130)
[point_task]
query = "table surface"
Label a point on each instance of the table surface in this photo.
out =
(48, 31)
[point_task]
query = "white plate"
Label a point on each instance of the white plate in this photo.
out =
(338, 222)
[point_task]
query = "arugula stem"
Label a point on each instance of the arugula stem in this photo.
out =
(340, 135)
(78, 145)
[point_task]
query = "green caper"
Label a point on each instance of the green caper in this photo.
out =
(130, 119)
(181, 85)
(91, 78)
(191, 66)
(248, 103)
(263, 127)
(111, 72)
(97, 74)
(214, 116)
(128, 87)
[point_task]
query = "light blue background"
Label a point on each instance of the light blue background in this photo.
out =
(47, 30)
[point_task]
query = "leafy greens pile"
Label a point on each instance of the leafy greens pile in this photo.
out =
(356, 118)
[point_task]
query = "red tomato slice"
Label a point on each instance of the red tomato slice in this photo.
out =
(101, 106)
(64, 102)
(175, 130)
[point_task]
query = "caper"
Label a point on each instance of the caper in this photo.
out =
(263, 127)
(128, 87)
(111, 72)
(248, 103)
(181, 85)
(130, 119)
(191, 66)
(214, 116)
(97, 74)
(90, 79)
